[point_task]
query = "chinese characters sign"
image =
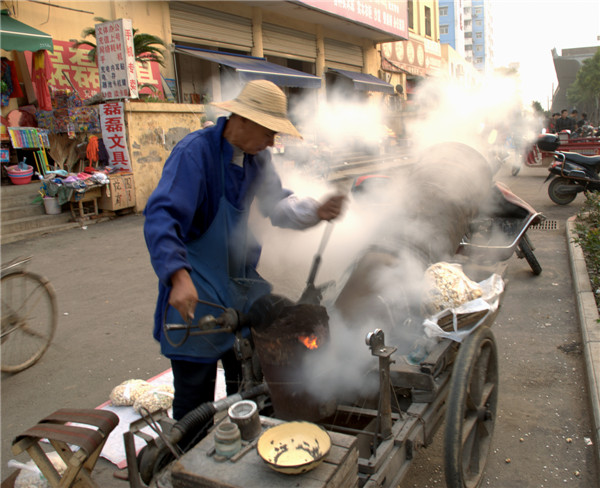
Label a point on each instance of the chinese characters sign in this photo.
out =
(112, 120)
(387, 16)
(116, 59)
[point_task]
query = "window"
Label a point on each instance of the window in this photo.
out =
(477, 12)
(467, 24)
(427, 21)
(479, 60)
(443, 11)
(443, 29)
(478, 23)
(479, 49)
(411, 22)
(478, 35)
(467, 10)
(468, 35)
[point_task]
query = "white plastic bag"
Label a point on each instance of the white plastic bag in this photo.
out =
(31, 477)
(491, 288)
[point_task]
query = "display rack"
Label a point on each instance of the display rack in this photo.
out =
(35, 139)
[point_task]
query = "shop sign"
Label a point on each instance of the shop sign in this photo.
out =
(72, 69)
(404, 56)
(386, 16)
(112, 121)
(116, 59)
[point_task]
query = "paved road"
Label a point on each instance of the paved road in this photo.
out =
(106, 291)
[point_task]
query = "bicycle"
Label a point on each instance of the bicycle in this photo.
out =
(29, 316)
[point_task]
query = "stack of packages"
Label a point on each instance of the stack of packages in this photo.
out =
(142, 396)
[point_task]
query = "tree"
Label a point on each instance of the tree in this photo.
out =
(585, 90)
(145, 46)
(537, 107)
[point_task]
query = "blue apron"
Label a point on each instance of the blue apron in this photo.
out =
(222, 275)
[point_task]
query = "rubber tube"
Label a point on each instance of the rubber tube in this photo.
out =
(206, 411)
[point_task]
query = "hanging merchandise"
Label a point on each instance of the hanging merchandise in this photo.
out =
(42, 72)
(9, 76)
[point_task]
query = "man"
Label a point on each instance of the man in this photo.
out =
(564, 122)
(552, 124)
(196, 230)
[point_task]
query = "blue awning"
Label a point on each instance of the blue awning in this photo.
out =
(364, 82)
(251, 68)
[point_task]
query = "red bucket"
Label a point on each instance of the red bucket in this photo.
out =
(20, 176)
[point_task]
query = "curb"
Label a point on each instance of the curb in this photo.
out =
(590, 327)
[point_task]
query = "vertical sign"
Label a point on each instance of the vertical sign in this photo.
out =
(112, 120)
(116, 59)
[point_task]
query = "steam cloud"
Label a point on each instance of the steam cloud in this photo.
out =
(477, 117)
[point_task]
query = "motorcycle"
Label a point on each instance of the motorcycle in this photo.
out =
(570, 173)
(501, 230)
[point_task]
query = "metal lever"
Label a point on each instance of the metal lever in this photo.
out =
(376, 341)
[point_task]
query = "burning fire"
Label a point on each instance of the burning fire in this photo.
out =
(311, 341)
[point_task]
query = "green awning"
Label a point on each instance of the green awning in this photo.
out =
(17, 36)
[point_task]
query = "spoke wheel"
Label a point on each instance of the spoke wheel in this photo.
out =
(556, 191)
(471, 412)
(29, 318)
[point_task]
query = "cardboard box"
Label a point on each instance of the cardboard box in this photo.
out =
(119, 193)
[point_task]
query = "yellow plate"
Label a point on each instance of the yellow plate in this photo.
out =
(294, 447)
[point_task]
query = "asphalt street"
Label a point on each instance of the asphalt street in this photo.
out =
(106, 290)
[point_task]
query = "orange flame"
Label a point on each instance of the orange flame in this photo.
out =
(311, 341)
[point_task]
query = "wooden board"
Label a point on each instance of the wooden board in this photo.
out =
(199, 469)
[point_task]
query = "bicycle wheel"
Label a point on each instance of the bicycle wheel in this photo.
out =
(29, 318)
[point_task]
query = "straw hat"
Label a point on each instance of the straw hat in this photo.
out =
(261, 101)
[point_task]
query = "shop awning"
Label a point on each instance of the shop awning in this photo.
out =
(364, 81)
(17, 36)
(251, 68)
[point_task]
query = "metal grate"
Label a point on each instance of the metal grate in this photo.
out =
(545, 225)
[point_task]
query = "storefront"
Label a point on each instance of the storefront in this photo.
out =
(215, 47)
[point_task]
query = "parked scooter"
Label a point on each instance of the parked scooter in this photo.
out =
(570, 173)
(501, 230)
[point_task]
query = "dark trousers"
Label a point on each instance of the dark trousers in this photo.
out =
(195, 382)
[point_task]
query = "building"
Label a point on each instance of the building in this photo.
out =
(468, 25)
(566, 65)
(303, 46)
(452, 25)
(408, 62)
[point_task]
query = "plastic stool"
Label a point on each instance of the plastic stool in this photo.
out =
(90, 441)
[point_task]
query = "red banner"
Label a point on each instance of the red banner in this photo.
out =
(74, 64)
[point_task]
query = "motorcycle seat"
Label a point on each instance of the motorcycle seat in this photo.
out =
(590, 161)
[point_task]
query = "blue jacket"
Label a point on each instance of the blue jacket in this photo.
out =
(186, 199)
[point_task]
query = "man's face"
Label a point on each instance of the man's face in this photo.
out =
(563, 114)
(254, 138)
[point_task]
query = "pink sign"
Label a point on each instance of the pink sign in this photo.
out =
(386, 16)
(112, 120)
(116, 59)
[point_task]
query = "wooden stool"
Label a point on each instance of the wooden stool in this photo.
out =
(90, 441)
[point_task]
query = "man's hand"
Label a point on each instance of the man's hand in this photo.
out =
(331, 208)
(183, 296)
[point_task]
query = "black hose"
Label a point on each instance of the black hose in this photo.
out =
(198, 417)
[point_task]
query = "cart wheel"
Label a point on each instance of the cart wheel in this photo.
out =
(557, 193)
(527, 250)
(471, 412)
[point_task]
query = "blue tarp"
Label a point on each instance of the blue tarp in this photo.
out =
(252, 68)
(365, 82)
